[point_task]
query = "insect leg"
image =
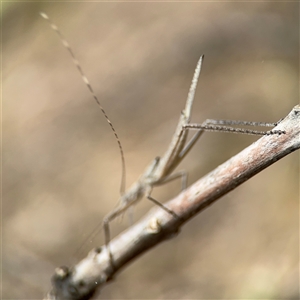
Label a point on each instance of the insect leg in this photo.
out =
(162, 206)
(181, 174)
(239, 122)
(222, 128)
(106, 220)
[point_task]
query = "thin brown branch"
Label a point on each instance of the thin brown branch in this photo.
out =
(94, 271)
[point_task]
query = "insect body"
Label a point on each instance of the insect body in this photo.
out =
(160, 169)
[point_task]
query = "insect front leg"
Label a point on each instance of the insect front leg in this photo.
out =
(131, 197)
(106, 220)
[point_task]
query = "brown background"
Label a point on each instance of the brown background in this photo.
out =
(61, 166)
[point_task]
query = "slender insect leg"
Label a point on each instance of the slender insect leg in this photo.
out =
(106, 220)
(209, 126)
(213, 125)
(183, 175)
(239, 122)
(106, 229)
(190, 144)
(163, 207)
(221, 128)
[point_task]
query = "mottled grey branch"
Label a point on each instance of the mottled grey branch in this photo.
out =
(94, 271)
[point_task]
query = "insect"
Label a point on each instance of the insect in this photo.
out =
(160, 170)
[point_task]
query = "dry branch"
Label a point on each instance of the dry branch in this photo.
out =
(94, 271)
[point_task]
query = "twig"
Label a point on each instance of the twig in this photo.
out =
(94, 271)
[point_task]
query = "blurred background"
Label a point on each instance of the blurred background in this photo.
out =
(61, 164)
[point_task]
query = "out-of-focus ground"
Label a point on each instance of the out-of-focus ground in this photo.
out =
(61, 165)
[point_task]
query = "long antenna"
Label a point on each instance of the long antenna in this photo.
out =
(86, 81)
